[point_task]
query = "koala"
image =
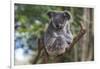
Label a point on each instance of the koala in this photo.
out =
(58, 35)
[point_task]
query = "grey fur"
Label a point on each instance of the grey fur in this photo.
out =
(58, 38)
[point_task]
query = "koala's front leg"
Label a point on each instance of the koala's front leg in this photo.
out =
(68, 35)
(69, 38)
(49, 39)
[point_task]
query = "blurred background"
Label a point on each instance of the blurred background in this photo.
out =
(31, 22)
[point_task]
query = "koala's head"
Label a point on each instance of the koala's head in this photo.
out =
(59, 19)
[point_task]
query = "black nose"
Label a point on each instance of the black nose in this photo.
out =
(57, 26)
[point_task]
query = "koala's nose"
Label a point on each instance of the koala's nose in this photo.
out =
(57, 26)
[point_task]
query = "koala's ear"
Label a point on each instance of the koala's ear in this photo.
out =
(67, 15)
(50, 14)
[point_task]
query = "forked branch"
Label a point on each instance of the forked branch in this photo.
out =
(78, 37)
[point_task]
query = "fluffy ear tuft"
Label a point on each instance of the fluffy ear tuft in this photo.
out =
(50, 14)
(67, 15)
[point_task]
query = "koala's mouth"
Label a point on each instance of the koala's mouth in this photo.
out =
(59, 28)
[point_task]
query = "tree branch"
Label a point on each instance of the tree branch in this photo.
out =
(78, 37)
(40, 48)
